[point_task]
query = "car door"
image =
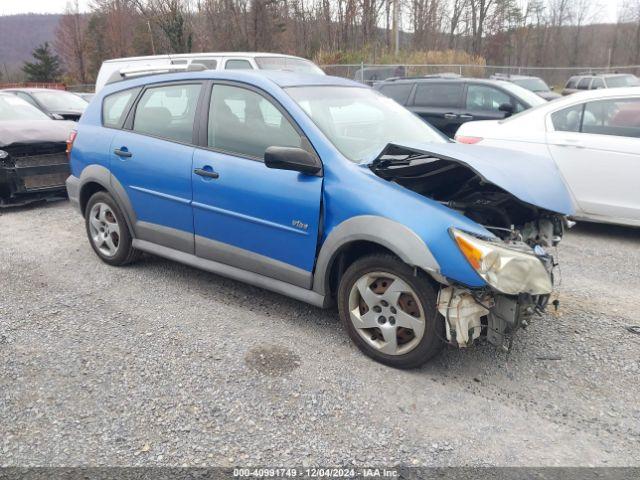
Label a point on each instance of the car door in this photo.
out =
(438, 103)
(596, 146)
(247, 215)
(152, 159)
(482, 102)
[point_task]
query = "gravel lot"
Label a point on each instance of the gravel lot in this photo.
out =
(161, 364)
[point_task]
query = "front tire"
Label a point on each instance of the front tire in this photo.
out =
(108, 232)
(389, 312)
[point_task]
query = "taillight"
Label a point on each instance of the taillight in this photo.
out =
(72, 138)
(469, 140)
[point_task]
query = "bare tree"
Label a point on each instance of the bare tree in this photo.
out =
(70, 42)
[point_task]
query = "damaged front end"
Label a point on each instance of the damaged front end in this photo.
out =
(30, 172)
(522, 205)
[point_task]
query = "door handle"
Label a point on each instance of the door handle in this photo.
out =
(123, 153)
(206, 173)
(466, 116)
(450, 116)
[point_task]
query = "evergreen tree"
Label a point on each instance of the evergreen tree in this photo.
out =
(45, 68)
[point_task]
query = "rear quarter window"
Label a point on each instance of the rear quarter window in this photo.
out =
(116, 106)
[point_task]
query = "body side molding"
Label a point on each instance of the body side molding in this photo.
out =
(278, 286)
(390, 234)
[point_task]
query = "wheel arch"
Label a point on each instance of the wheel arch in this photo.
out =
(364, 235)
(95, 178)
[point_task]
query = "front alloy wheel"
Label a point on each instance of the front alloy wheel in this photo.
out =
(384, 310)
(390, 312)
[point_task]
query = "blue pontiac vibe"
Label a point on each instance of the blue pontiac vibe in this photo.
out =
(324, 190)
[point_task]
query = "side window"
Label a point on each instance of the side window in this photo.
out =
(441, 95)
(116, 106)
(485, 98)
(572, 83)
(597, 83)
(168, 112)
(238, 65)
(619, 117)
(399, 92)
(584, 83)
(209, 63)
(567, 119)
(244, 122)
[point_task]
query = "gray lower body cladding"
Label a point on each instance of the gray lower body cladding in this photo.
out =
(32, 172)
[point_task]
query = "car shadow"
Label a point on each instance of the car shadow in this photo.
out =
(607, 231)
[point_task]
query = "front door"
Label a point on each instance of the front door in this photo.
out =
(152, 159)
(245, 214)
(597, 148)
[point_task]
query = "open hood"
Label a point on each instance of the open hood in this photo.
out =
(532, 179)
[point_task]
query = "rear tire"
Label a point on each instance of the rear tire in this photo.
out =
(108, 232)
(389, 312)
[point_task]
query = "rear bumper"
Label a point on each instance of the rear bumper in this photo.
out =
(73, 190)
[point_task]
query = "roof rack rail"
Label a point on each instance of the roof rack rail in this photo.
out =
(131, 72)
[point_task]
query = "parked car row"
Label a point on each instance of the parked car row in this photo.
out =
(276, 179)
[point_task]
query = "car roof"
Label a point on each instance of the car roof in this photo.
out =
(203, 55)
(445, 79)
(34, 89)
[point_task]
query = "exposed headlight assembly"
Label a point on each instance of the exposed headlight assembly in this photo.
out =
(507, 270)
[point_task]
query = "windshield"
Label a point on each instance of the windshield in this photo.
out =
(299, 65)
(623, 81)
(13, 108)
(60, 101)
(360, 122)
(527, 95)
(533, 84)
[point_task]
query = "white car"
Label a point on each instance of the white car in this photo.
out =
(594, 139)
(211, 61)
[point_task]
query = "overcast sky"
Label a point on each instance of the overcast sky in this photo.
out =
(10, 7)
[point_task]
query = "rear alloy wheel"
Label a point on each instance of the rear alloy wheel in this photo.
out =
(107, 230)
(389, 312)
(104, 229)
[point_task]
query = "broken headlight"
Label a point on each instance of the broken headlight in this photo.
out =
(508, 270)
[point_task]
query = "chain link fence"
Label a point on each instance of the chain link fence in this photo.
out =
(554, 76)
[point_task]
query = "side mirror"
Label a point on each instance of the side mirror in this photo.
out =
(291, 158)
(507, 108)
(552, 88)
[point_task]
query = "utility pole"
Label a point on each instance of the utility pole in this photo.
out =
(396, 26)
(153, 47)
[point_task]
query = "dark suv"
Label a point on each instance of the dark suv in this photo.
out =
(593, 81)
(446, 102)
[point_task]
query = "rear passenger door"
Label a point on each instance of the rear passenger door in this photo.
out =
(439, 103)
(152, 159)
(245, 214)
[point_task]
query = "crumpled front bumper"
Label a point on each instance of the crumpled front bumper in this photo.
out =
(470, 315)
